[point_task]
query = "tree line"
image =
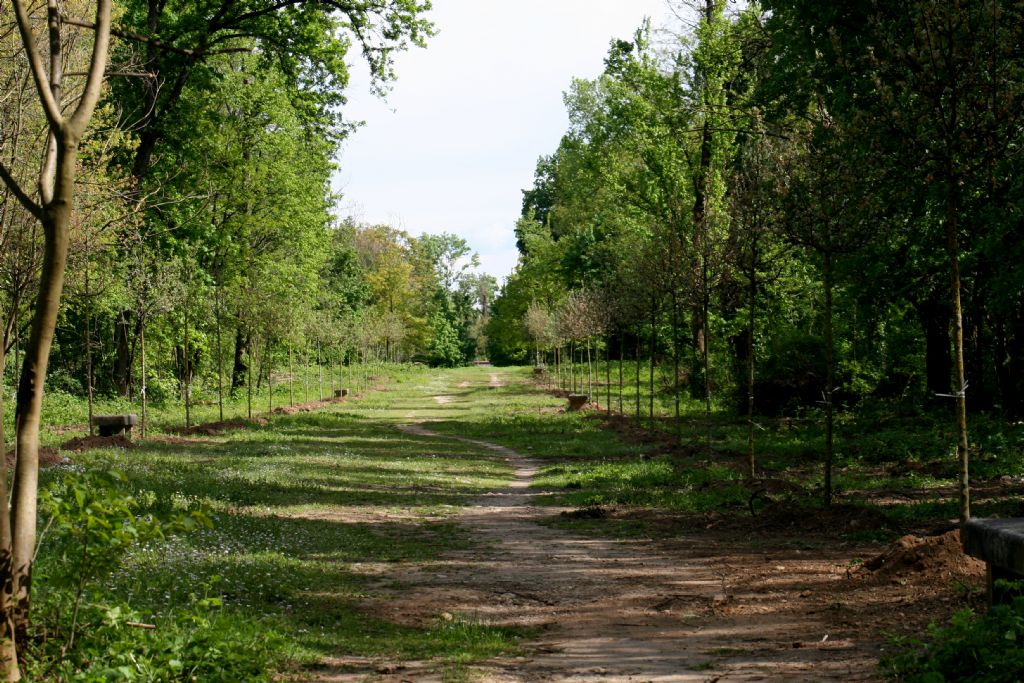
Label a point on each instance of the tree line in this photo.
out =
(793, 206)
(168, 230)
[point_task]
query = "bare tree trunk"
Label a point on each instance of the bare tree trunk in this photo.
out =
(654, 347)
(706, 350)
(590, 372)
(675, 369)
(220, 356)
(751, 302)
(320, 371)
(608, 375)
(248, 382)
(622, 357)
(142, 394)
(188, 362)
(829, 379)
(639, 373)
(88, 357)
(291, 377)
(960, 386)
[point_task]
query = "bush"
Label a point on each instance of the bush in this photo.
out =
(988, 649)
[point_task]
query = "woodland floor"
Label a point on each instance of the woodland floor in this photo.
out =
(719, 600)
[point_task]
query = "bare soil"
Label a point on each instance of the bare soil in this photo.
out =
(215, 428)
(771, 597)
(84, 443)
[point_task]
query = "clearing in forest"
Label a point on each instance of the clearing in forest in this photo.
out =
(460, 525)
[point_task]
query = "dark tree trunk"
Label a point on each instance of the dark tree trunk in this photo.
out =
(125, 334)
(240, 368)
(935, 318)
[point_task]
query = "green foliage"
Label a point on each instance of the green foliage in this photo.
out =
(985, 648)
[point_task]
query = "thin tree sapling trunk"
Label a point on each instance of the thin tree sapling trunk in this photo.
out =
(220, 354)
(960, 385)
(142, 360)
(829, 379)
(654, 346)
(639, 373)
(188, 364)
(751, 302)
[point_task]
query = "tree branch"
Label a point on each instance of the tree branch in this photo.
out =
(97, 68)
(132, 36)
(19, 193)
(50, 106)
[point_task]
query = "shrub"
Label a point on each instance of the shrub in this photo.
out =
(988, 649)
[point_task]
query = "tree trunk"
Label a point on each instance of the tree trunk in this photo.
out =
(639, 372)
(751, 318)
(88, 361)
(239, 369)
(829, 379)
(935, 317)
(654, 349)
(959, 386)
(706, 351)
(142, 393)
(622, 357)
(675, 371)
(220, 357)
(590, 373)
(188, 368)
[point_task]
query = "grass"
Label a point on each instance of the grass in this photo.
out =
(300, 505)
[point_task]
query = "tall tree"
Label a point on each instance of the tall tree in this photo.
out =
(51, 204)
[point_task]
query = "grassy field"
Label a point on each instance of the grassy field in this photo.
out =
(298, 505)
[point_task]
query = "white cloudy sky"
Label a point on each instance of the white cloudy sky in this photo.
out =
(459, 135)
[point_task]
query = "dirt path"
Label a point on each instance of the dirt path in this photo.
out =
(699, 608)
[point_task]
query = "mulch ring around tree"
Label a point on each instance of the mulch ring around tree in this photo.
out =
(84, 443)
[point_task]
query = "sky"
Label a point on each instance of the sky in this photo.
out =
(458, 137)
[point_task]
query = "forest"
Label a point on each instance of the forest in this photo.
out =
(793, 217)
(791, 207)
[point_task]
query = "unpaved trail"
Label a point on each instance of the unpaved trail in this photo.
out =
(621, 610)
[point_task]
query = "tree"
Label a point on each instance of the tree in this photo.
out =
(830, 215)
(933, 89)
(51, 204)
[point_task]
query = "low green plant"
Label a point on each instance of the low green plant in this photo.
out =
(82, 633)
(985, 648)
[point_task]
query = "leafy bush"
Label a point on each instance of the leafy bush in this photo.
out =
(83, 634)
(988, 648)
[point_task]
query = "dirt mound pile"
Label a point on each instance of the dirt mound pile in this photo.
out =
(214, 428)
(929, 557)
(85, 443)
(48, 457)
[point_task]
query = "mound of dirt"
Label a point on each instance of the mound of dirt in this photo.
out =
(84, 443)
(48, 457)
(929, 557)
(214, 428)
